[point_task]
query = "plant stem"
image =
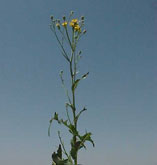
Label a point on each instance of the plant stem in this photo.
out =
(73, 77)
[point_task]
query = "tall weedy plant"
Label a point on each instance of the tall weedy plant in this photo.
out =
(68, 33)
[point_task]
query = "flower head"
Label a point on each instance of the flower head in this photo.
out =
(64, 24)
(77, 28)
(73, 22)
(58, 25)
(75, 25)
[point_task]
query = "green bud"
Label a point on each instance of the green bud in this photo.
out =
(58, 25)
(84, 31)
(82, 23)
(58, 20)
(82, 18)
(64, 18)
(71, 13)
(51, 17)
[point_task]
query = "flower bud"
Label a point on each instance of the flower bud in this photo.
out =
(64, 18)
(51, 17)
(61, 72)
(71, 13)
(58, 25)
(82, 18)
(58, 20)
(64, 24)
(82, 21)
(84, 31)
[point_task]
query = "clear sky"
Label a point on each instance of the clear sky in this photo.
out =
(119, 51)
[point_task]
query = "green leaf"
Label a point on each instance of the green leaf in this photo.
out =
(87, 137)
(57, 161)
(51, 120)
(64, 122)
(67, 162)
(56, 116)
(59, 152)
(61, 121)
(84, 109)
(85, 75)
(57, 158)
(73, 130)
(75, 84)
(70, 105)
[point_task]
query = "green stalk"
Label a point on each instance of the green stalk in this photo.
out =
(73, 77)
(77, 141)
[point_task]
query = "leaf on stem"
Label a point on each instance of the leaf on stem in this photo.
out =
(84, 109)
(57, 158)
(70, 105)
(85, 75)
(70, 126)
(59, 151)
(61, 121)
(51, 120)
(73, 130)
(75, 84)
(87, 137)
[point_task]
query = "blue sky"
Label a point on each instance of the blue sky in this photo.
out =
(119, 51)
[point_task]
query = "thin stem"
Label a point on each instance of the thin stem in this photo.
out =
(64, 52)
(66, 30)
(62, 144)
(68, 114)
(73, 77)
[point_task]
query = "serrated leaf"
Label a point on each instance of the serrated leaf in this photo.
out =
(87, 137)
(57, 158)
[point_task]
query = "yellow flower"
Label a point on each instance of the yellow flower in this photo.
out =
(75, 24)
(58, 25)
(64, 24)
(74, 21)
(77, 28)
(71, 24)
